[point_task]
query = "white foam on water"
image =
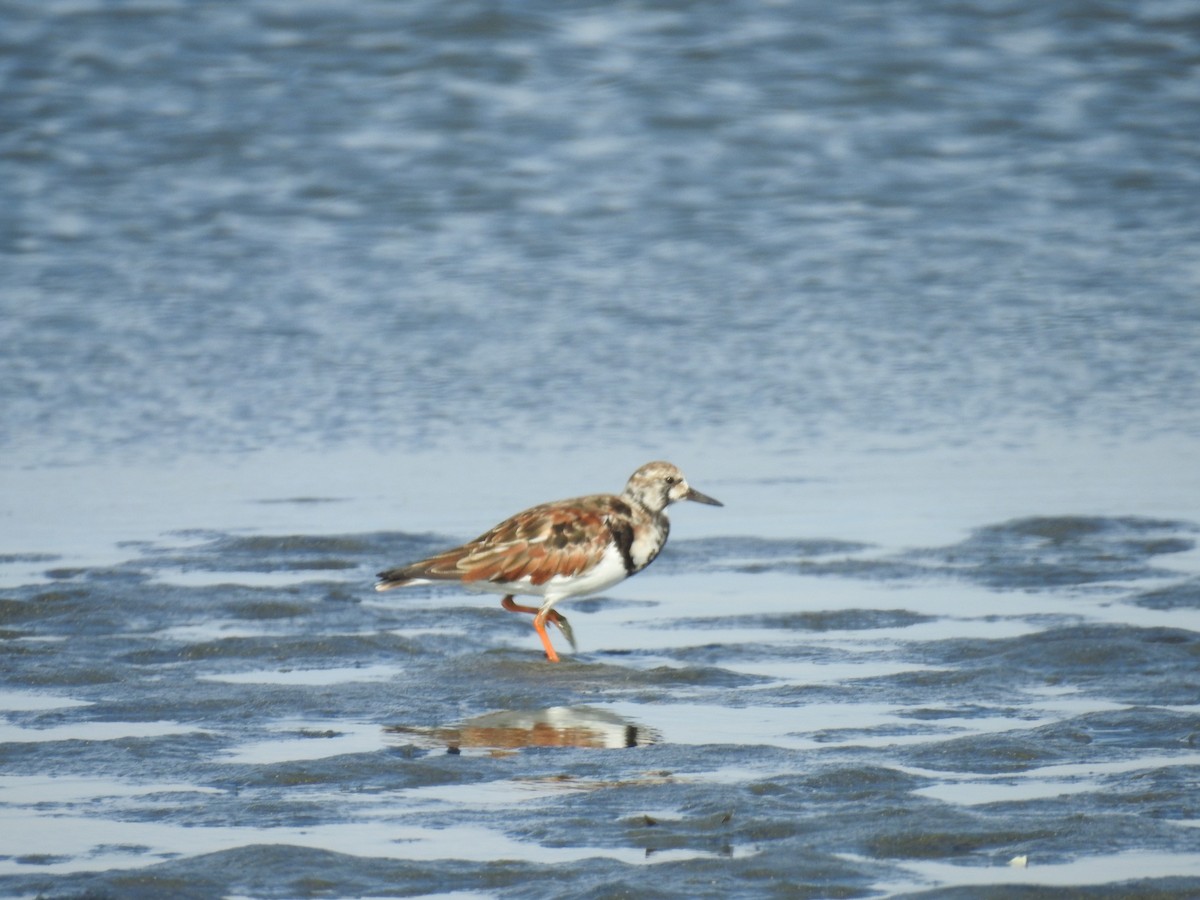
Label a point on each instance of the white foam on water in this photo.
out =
(36, 701)
(48, 790)
(94, 844)
(93, 731)
(194, 578)
(1111, 868)
(294, 744)
(974, 789)
(308, 677)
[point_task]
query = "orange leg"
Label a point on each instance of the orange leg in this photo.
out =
(508, 604)
(539, 622)
(540, 617)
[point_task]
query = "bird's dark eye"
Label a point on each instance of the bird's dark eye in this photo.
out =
(671, 479)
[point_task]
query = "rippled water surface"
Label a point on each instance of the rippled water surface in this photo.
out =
(291, 292)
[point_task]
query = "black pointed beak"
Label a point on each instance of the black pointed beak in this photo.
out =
(694, 494)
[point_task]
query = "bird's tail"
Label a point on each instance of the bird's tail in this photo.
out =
(396, 578)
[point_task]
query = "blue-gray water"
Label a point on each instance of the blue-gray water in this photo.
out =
(293, 291)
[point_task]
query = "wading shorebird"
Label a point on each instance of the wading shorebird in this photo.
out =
(566, 548)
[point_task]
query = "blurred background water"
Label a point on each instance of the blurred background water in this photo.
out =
(232, 227)
(913, 287)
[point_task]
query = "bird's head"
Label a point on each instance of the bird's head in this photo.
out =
(657, 485)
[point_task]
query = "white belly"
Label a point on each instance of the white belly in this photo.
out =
(609, 571)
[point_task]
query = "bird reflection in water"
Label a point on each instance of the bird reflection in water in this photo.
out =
(556, 726)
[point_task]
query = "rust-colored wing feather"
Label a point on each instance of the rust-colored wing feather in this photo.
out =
(562, 538)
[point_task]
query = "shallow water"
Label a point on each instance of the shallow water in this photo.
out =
(291, 292)
(754, 713)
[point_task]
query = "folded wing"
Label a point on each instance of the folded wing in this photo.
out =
(531, 547)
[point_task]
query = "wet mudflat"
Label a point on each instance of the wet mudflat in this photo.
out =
(229, 715)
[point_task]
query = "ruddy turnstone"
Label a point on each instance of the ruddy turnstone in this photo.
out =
(562, 549)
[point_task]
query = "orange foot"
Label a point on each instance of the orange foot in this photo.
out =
(540, 617)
